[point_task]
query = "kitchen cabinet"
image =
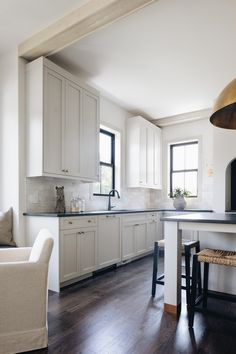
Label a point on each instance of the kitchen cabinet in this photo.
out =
(154, 229)
(83, 244)
(109, 240)
(143, 167)
(62, 119)
(134, 235)
(78, 248)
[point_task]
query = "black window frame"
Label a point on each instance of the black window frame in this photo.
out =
(112, 164)
(181, 171)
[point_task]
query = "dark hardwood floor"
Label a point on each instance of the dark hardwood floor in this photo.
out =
(114, 313)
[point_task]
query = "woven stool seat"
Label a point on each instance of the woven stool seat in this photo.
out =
(227, 258)
(207, 256)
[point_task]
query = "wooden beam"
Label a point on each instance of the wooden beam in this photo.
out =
(88, 18)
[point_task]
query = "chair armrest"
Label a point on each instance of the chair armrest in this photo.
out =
(14, 254)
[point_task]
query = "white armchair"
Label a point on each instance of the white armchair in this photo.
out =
(24, 295)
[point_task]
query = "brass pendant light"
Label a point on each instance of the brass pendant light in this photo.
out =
(224, 110)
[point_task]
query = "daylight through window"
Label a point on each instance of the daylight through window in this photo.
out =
(184, 167)
(107, 163)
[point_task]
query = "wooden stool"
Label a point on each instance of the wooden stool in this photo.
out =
(207, 256)
(187, 246)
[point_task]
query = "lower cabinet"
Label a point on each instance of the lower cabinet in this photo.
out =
(78, 252)
(139, 232)
(84, 244)
(109, 240)
(154, 229)
(134, 235)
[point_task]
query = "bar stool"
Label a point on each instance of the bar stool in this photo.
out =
(207, 256)
(187, 246)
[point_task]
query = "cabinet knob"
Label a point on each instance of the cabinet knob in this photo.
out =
(66, 171)
(89, 220)
(70, 222)
(63, 170)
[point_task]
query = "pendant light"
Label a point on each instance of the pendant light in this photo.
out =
(224, 110)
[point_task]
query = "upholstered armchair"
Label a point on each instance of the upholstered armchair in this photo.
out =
(24, 295)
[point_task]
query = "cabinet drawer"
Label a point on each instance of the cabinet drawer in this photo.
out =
(134, 217)
(75, 222)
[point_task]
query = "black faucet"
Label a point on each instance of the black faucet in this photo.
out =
(109, 198)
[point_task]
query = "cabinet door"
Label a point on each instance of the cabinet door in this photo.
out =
(128, 241)
(72, 129)
(143, 156)
(54, 98)
(87, 250)
(109, 240)
(90, 137)
(150, 156)
(69, 255)
(157, 180)
(141, 238)
(152, 234)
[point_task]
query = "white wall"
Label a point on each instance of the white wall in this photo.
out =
(203, 131)
(9, 161)
(41, 191)
(224, 153)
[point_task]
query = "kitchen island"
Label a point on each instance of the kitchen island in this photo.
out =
(173, 226)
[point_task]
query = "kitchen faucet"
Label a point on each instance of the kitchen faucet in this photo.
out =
(109, 198)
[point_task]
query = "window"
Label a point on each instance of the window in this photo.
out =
(184, 167)
(107, 163)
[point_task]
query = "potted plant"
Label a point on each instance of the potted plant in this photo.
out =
(178, 197)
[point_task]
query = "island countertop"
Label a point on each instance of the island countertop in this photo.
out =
(215, 218)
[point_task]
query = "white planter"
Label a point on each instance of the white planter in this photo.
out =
(179, 203)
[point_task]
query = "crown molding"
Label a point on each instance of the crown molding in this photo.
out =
(183, 118)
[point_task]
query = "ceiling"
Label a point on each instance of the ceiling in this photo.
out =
(170, 58)
(19, 19)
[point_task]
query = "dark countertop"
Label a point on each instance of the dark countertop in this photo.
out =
(116, 211)
(215, 218)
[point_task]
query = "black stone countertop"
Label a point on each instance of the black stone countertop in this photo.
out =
(114, 211)
(215, 218)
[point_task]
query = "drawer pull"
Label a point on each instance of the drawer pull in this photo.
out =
(70, 222)
(89, 220)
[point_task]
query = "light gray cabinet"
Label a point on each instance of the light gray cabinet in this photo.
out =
(62, 119)
(109, 240)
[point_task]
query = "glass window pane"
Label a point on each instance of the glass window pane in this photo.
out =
(191, 182)
(178, 158)
(191, 156)
(106, 179)
(178, 180)
(105, 148)
(96, 188)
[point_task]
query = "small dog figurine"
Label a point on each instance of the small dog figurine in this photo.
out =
(60, 206)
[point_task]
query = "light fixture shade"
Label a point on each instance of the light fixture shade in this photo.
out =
(224, 110)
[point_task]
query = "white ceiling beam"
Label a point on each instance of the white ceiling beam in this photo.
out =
(90, 17)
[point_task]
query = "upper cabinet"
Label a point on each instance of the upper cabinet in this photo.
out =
(62, 124)
(143, 164)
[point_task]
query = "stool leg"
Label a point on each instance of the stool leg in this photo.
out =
(199, 270)
(205, 284)
(191, 306)
(155, 268)
(187, 272)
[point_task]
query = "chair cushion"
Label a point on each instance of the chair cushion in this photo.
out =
(6, 224)
(227, 258)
